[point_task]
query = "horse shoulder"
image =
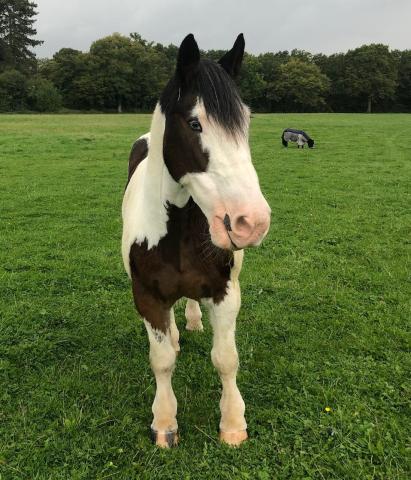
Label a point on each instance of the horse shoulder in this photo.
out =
(132, 211)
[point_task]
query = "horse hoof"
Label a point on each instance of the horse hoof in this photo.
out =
(195, 327)
(234, 439)
(164, 439)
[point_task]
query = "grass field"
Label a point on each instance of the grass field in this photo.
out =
(324, 323)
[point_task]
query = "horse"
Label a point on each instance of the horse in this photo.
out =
(299, 136)
(191, 205)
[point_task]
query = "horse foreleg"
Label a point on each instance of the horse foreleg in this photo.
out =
(162, 359)
(193, 316)
(233, 427)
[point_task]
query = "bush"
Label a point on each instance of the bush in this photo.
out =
(43, 96)
(13, 91)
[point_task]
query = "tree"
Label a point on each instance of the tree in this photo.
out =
(13, 90)
(131, 72)
(300, 85)
(251, 82)
(339, 98)
(128, 73)
(42, 95)
(371, 72)
(403, 92)
(118, 73)
(111, 56)
(302, 55)
(3, 54)
(16, 34)
(151, 71)
(66, 70)
(269, 64)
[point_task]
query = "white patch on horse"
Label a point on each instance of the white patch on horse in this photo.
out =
(162, 359)
(230, 173)
(153, 333)
(146, 137)
(145, 200)
(225, 357)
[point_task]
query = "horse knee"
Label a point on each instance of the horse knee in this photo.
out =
(162, 352)
(162, 359)
(225, 360)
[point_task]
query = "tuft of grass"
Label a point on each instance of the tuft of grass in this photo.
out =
(323, 334)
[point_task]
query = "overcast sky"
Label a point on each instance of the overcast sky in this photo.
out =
(268, 25)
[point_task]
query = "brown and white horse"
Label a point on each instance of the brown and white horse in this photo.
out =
(192, 203)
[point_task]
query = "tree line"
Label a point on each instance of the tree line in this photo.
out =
(127, 73)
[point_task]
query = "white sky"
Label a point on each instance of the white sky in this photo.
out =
(268, 25)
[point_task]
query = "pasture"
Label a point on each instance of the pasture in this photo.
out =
(323, 333)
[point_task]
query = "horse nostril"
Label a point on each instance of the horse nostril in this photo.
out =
(227, 223)
(241, 221)
(242, 226)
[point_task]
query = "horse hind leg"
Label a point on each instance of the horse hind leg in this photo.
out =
(193, 315)
(174, 333)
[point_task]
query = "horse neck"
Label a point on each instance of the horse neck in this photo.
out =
(160, 189)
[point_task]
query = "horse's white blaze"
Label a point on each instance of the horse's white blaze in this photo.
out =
(150, 188)
(230, 184)
(230, 173)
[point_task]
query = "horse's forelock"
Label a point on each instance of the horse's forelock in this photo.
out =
(218, 93)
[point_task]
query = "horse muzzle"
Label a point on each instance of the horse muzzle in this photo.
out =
(240, 230)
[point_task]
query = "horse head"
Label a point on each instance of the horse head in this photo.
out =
(205, 145)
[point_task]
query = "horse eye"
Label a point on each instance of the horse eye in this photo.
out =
(195, 125)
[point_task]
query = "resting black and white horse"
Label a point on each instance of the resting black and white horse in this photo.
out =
(298, 136)
(192, 203)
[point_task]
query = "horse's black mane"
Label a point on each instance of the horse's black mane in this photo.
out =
(212, 84)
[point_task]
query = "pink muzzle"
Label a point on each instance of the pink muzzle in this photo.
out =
(244, 228)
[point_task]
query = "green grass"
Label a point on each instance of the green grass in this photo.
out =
(325, 317)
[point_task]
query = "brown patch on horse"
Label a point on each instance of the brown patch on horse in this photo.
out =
(139, 152)
(185, 263)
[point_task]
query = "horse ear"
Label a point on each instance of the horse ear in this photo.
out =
(231, 61)
(188, 57)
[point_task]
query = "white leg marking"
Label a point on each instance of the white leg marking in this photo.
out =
(225, 358)
(162, 359)
(193, 316)
(174, 333)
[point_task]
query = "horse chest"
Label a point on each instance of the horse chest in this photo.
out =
(183, 264)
